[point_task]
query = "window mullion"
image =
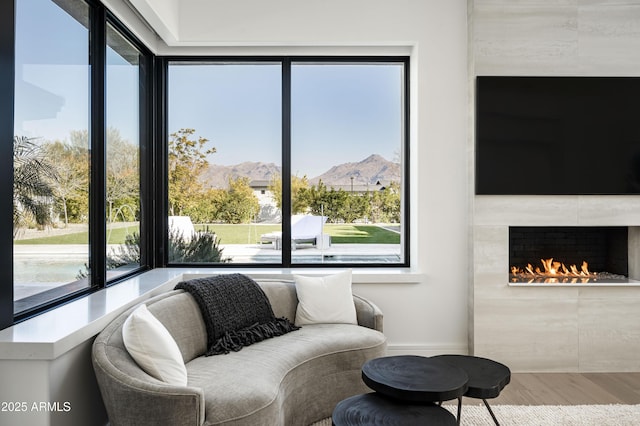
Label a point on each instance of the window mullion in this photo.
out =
(286, 163)
(97, 132)
(160, 168)
(7, 78)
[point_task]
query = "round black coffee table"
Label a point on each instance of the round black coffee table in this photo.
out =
(487, 378)
(374, 409)
(415, 378)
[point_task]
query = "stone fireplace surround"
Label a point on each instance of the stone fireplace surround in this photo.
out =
(571, 328)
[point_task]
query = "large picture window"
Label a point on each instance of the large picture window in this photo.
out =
(287, 161)
(347, 146)
(224, 152)
(51, 152)
(79, 120)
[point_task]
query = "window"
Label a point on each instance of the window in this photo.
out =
(347, 145)
(287, 161)
(225, 138)
(51, 152)
(123, 155)
(77, 112)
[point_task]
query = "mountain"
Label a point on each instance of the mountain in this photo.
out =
(217, 176)
(372, 169)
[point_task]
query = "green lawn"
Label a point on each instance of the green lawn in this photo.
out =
(116, 236)
(361, 234)
(239, 234)
(246, 234)
(340, 234)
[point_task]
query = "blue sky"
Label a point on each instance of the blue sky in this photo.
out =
(344, 113)
(52, 75)
(236, 107)
(340, 113)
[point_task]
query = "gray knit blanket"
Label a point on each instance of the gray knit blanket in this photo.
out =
(236, 312)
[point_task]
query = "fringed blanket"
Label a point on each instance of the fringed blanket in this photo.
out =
(236, 312)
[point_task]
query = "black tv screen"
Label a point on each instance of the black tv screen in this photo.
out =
(557, 135)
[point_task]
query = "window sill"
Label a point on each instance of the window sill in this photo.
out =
(53, 333)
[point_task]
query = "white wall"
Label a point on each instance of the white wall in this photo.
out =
(131, 18)
(58, 392)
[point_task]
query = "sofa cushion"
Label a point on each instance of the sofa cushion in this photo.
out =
(326, 299)
(243, 386)
(179, 313)
(153, 348)
(282, 296)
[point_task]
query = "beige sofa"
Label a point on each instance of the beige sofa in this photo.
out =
(293, 379)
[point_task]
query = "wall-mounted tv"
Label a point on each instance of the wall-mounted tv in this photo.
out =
(557, 135)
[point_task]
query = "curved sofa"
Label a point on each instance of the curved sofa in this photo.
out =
(293, 379)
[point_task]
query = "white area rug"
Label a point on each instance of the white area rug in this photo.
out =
(544, 415)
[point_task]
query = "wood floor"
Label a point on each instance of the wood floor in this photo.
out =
(569, 389)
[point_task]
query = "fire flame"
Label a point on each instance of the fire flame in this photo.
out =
(554, 272)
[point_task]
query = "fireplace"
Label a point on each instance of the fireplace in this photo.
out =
(568, 254)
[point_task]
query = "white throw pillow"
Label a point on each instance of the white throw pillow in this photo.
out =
(326, 299)
(153, 348)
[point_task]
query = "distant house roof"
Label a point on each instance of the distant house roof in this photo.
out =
(356, 188)
(259, 184)
(360, 188)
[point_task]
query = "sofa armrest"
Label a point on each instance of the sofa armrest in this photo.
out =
(132, 401)
(369, 315)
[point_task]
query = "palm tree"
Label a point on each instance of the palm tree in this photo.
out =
(32, 192)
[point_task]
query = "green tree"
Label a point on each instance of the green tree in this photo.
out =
(328, 202)
(208, 206)
(338, 205)
(32, 191)
(240, 204)
(299, 193)
(385, 204)
(187, 159)
(123, 176)
(318, 197)
(71, 188)
(354, 207)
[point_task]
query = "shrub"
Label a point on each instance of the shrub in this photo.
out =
(202, 247)
(125, 254)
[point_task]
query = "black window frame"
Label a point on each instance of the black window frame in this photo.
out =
(99, 16)
(153, 157)
(7, 83)
(286, 63)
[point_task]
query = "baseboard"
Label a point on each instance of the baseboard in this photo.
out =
(427, 350)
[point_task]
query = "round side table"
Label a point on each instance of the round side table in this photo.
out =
(416, 379)
(487, 378)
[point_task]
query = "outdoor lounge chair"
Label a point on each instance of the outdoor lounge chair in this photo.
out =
(304, 229)
(182, 226)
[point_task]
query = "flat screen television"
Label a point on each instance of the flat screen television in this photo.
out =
(557, 135)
